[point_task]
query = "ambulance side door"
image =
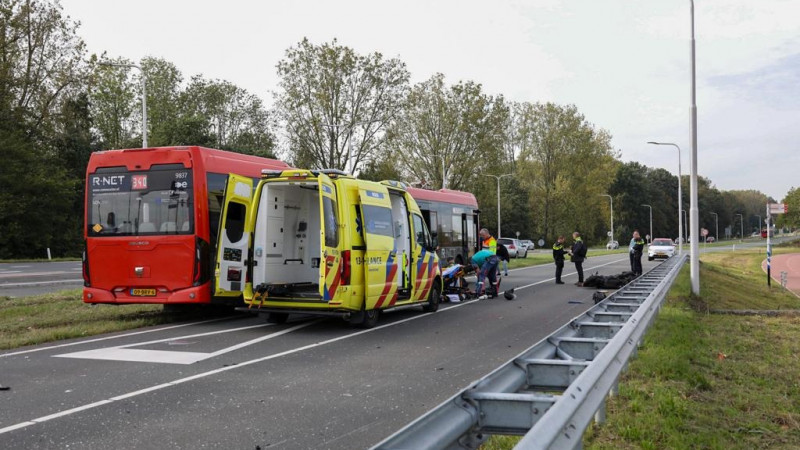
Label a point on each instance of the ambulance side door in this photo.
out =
(380, 257)
(425, 266)
(233, 243)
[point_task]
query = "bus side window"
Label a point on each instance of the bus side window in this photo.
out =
(419, 231)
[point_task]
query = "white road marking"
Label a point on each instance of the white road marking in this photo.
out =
(89, 341)
(242, 364)
(213, 372)
(8, 272)
(126, 353)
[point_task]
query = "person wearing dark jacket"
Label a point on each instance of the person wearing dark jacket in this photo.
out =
(578, 253)
(638, 249)
(502, 254)
(558, 257)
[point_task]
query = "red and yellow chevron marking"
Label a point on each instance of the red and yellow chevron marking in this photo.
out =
(433, 267)
(389, 284)
(333, 277)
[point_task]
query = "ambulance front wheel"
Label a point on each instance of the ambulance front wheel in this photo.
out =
(433, 299)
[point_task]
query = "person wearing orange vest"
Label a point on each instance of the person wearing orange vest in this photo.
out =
(488, 242)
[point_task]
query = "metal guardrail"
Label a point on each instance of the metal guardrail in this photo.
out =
(549, 393)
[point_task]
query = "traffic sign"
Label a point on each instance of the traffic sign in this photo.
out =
(704, 232)
(778, 208)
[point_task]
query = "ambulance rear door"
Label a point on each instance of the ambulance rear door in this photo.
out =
(330, 270)
(233, 242)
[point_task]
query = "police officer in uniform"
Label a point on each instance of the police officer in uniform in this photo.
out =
(558, 257)
(638, 249)
(578, 255)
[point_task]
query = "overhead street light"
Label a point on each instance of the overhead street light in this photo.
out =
(680, 195)
(497, 177)
(612, 215)
(651, 222)
(144, 95)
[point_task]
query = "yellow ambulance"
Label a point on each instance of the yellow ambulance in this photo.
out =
(323, 242)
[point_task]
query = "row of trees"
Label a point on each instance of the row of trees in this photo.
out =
(334, 108)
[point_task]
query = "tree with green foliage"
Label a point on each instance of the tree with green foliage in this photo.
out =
(457, 126)
(337, 104)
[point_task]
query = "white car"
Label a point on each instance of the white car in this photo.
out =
(515, 247)
(612, 245)
(528, 244)
(660, 248)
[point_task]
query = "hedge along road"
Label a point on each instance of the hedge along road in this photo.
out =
(309, 383)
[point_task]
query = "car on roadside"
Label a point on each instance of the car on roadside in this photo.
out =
(660, 248)
(528, 244)
(612, 245)
(515, 247)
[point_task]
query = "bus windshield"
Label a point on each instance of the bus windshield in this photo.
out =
(153, 202)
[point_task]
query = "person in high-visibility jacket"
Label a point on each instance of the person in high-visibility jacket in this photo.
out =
(488, 242)
(558, 258)
(638, 248)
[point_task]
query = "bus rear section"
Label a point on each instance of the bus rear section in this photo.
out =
(141, 245)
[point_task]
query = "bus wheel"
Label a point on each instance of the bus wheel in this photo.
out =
(433, 299)
(365, 319)
(277, 317)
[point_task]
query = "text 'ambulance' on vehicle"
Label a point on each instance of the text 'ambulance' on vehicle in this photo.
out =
(326, 243)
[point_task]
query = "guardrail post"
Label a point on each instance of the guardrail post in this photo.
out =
(600, 414)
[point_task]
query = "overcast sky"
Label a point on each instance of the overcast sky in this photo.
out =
(624, 63)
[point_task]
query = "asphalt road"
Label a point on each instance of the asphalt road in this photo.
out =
(238, 382)
(23, 279)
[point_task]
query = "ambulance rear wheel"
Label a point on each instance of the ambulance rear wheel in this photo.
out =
(433, 299)
(365, 319)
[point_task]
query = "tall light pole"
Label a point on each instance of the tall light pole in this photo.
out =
(685, 226)
(716, 226)
(759, 222)
(497, 177)
(651, 222)
(694, 217)
(144, 95)
(612, 215)
(741, 225)
(680, 195)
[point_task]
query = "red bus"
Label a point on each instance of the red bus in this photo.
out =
(453, 218)
(152, 217)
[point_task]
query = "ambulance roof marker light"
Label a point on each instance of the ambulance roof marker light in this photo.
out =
(270, 173)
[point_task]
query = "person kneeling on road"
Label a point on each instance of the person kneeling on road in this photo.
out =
(486, 264)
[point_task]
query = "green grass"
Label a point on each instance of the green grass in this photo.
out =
(710, 381)
(540, 257)
(44, 318)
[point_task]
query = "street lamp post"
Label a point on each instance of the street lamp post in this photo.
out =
(497, 177)
(741, 226)
(144, 95)
(680, 194)
(759, 222)
(694, 217)
(651, 222)
(716, 225)
(612, 215)
(684, 237)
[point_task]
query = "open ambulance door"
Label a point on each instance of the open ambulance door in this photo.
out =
(380, 257)
(330, 270)
(233, 242)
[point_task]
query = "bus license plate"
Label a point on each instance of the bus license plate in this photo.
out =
(143, 292)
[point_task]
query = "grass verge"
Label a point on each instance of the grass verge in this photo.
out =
(51, 317)
(706, 380)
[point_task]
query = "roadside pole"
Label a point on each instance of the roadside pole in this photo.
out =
(772, 208)
(768, 219)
